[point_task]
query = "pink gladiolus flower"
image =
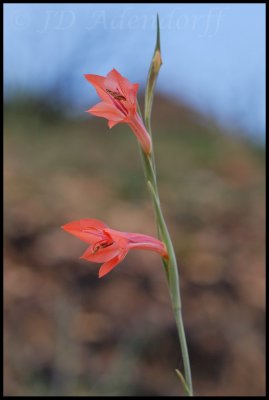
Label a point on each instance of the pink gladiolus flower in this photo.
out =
(109, 246)
(119, 104)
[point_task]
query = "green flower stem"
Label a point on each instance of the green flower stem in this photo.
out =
(171, 270)
(170, 264)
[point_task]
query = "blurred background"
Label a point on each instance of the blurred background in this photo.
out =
(66, 331)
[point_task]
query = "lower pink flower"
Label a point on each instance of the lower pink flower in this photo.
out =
(109, 246)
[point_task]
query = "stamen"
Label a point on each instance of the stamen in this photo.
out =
(102, 244)
(116, 95)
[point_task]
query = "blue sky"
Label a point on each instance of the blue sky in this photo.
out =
(213, 54)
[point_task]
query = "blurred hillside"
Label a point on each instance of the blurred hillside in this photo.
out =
(69, 333)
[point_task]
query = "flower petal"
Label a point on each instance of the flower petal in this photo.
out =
(98, 82)
(109, 265)
(112, 123)
(108, 111)
(101, 255)
(115, 81)
(88, 230)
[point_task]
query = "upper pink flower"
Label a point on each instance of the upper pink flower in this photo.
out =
(109, 246)
(119, 97)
